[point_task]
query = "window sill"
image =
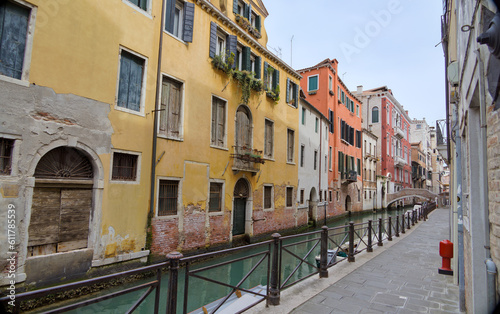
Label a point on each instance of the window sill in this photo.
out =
(137, 113)
(175, 37)
(215, 214)
(268, 209)
(166, 137)
(166, 217)
(313, 92)
(136, 8)
(220, 148)
(269, 158)
(111, 181)
(291, 163)
(20, 82)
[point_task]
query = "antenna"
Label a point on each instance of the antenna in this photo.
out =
(291, 51)
(277, 51)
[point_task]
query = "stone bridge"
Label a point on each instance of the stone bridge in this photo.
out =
(405, 193)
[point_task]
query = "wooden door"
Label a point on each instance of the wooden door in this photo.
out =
(239, 216)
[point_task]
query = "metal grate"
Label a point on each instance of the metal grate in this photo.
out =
(215, 197)
(6, 146)
(167, 198)
(268, 192)
(241, 189)
(289, 196)
(124, 167)
(64, 162)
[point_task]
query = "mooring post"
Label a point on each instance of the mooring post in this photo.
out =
(370, 244)
(403, 223)
(380, 243)
(173, 258)
(323, 263)
(389, 229)
(350, 254)
(397, 226)
(274, 290)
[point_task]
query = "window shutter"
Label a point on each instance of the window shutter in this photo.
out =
(169, 16)
(231, 47)
(246, 58)
(221, 120)
(14, 21)
(235, 6)
(214, 122)
(276, 80)
(250, 13)
(174, 110)
(213, 39)
(124, 80)
(266, 65)
(295, 95)
(135, 88)
(188, 22)
(247, 11)
(258, 62)
(258, 23)
(287, 90)
(165, 95)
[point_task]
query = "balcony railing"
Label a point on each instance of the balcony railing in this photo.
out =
(349, 177)
(247, 159)
(399, 162)
(398, 131)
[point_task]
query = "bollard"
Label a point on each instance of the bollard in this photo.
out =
(350, 254)
(413, 218)
(389, 229)
(403, 223)
(323, 263)
(274, 289)
(380, 243)
(424, 213)
(397, 226)
(369, 247)
(174, 258)
(409, 223)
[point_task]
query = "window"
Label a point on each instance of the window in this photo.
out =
(292, 93)
(358, 139)
(315, 159)
(290, 145)
(302, 155)
(375, 118)
(302, 196)
(330, 158)
(357, 110)
(218, 137)
(238, 60)
(221, 44)
(271, 78)
(171, 108)
(312, 83)
(124, 167)
(359, 167)
(330, 195)
(143, 4)
(316, 125)
(268, 197)
(215, 202)
(388, 115)
(179, 19)
(330, 118)
(167, 197)
(131, 81)
(269, 139)
(6, 147)
(419, 126)
(320, 195)
(330, 83)
(289, 196)
(303, 116)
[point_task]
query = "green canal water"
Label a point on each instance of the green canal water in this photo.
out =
(202, 292)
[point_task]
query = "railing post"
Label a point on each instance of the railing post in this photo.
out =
(425, 213)
(157, 292)
(397, 226)
(413, 218)
(403, 223)
(323, 263)
(274, 290)
(369, 247)
(409, 223)
(380, 243)
(174, 258)
(389, 230)
(350, 255)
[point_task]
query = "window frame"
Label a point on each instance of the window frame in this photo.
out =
(146, 12)
(271, 155)
(222, 197)
(308, 83)
(12, 160)
(212, 144)
(289, 197)
(138, 167)
(264, 208)
(164, 134)
(290, 158)
(28, 48)
(179, 197)
(143, 87)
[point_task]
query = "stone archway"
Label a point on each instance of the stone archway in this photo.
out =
(62, 202)
(348, 203)
(240, 198)
(313, 205)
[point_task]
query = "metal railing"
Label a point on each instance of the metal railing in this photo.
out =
(345, 242)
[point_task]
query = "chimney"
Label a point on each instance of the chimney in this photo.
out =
(360, 89)
(406, 112)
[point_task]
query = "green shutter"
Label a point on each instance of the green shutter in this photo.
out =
(246, 59)
(276, 80)
(258, 23)
(295, 95)
(169, 16)
(188, 22)
(266, 65)
(258, 64)
(235, 6)
(287, 92)
(213, 39)
(13, 32)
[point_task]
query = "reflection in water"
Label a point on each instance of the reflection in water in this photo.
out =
(202, 292)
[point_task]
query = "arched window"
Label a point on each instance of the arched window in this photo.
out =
(375, 115)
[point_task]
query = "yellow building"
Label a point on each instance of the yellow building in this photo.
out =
(80, 82)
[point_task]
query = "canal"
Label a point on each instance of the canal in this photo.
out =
(202, 292)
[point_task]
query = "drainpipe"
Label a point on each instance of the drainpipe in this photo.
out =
(491, 288)
(155, 117)
(320, 162)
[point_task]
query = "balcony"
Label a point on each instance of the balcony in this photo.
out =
(349, 177)
(398, 132)
(247, 159)
(399, 162)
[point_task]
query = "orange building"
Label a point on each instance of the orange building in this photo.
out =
(326, 91)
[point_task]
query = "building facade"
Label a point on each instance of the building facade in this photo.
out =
(105, 166)
(370, 165)
(313, 162)
(326, 91)
(421, 133)
(419, 166)
(391, 124)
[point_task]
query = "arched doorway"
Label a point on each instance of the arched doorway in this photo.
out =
(240, 198)
(313, 205)
(62, 202)
(348, 203)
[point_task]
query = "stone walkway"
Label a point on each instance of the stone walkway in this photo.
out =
(402, 279)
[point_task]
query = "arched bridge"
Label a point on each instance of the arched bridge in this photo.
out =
(405, 193)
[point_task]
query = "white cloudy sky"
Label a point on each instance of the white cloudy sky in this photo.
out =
(377, 43)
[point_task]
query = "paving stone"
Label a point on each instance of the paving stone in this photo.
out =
(426, 303)
(314, 308)
(330, 295)
(342, 292)
(390, 299)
